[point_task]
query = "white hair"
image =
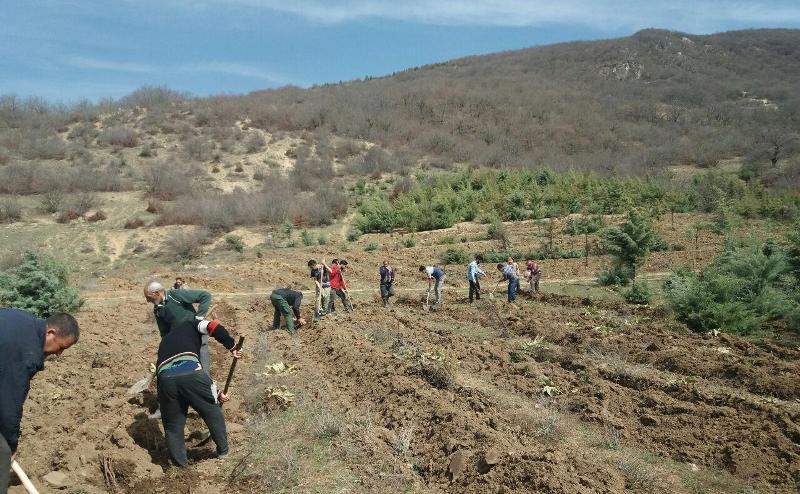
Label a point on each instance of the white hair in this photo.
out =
(154, 287)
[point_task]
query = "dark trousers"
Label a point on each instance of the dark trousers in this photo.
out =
(5, 465)
(387, 290)
(176, 393)
(474, 290)
(337, 292)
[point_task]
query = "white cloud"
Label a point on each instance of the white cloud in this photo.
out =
(110, 65)
(699, 15)
(237, 69)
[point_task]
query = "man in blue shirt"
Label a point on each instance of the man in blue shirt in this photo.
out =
(509, 273)
(25, 340)
(474, 273)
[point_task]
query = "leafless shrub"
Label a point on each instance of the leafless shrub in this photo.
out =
(255, 142)
(119, 136)
(637, 473)
(165, 181)
(153, 96)
(405, 435)
(322, 207)
(198, 148)
(325, 425)
(44, 147)
(85, 132)
(154, 206)
(10, 211)
(403, 186)
(182, 245)
(260, 174)
(310, 173)
(84, 202)
(147, 151)
(549, 424)
(88, 178)
(347, 148)
(52, 201)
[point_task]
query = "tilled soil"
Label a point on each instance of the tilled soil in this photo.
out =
(559, 394)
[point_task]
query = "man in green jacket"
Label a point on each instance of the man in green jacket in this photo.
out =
(171, 307)
(286, 303)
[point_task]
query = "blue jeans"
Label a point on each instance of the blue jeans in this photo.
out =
(513, 286)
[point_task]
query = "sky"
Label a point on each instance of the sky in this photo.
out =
(68, 50)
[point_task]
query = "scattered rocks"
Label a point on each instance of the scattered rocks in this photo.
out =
(490, 459)
(457, 463)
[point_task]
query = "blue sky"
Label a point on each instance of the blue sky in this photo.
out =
(66, 50)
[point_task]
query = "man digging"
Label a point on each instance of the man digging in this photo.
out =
(25, 341)
(175, 306)
(287, 304)
(183, 382)
(435, 276)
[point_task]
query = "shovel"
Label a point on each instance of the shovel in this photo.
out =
(426, 306)
(142, 384)
(26, 482)
(491, 294)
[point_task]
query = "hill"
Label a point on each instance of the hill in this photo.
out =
(633, 104)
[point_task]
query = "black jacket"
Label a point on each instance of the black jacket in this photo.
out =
(21, 357)
(293, 297)
(185, 338)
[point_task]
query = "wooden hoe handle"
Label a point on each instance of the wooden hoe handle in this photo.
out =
(233, 365)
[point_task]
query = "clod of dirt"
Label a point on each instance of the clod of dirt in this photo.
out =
(490, 459)
(457, 463)
(58, 480)
(648, 421)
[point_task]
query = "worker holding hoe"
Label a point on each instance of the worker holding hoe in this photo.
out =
(387, 281)
(322, 285)
(184, 383)
(25, 341)
(338, 284)
(474, 274)
(436, 277)
(509, 274)
(533, 274)
(287, 303)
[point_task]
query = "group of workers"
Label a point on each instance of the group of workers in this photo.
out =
(183, 362)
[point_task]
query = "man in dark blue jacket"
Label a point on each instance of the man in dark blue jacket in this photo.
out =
(24, 342)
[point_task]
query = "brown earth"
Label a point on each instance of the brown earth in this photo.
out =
(559, 394)
(460, 384)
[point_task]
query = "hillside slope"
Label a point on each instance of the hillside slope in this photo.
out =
(635, 103)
